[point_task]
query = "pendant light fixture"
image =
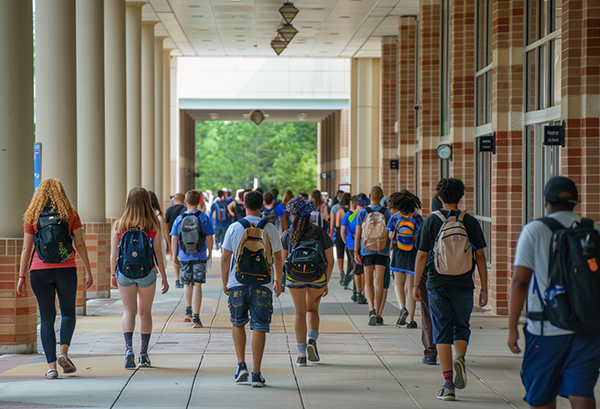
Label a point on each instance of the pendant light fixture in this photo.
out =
(288, 32)
(278, 44)
(288, 11)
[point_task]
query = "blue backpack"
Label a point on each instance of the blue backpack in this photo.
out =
(136, 254)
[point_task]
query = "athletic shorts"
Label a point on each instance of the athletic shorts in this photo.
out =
(386, 277)
(140, 282)
(565, 365)
(375, 260)
(450, 310)
(340, 247)
(192, 271)
(252, 303)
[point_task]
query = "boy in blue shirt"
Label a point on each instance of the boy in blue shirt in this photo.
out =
(348, 231)
(374, 261)
(192, 265)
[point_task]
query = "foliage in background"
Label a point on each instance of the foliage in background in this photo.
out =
(281, 155)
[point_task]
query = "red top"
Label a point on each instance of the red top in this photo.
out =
(151, 235)
(36, 263)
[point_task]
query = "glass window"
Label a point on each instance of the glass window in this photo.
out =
(531, 80)
(483, 194)
(542, 73)
(556, 65)
(483, 81)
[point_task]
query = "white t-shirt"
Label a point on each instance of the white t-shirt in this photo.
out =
(232, 240)
(533, 252)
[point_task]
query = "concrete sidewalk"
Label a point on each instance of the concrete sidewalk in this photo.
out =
(361, 366)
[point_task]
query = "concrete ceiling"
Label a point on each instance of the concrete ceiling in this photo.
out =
(327, 28)
(273, 115)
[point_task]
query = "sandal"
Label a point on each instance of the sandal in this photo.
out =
(66, 364)
(52, 374)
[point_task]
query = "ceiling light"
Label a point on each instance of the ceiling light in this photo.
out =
(287, 31)
(288, 11)
(278, 44)
(257, 116)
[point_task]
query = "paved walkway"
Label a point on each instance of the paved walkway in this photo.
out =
(361, 366)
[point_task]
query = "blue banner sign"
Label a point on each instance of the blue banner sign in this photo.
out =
(37, 164)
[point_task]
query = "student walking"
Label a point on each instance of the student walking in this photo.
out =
(136, 239)
(192, 243)
(404, 229)
(247, 282)
(340, 248)
(372, 250)
(52, 228)
(453, 241)
(308, 255)
(559, 360)
(220, 217)
(348, 231)
(171, 214)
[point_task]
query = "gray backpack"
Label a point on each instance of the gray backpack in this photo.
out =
(452, 253)
(191, 235)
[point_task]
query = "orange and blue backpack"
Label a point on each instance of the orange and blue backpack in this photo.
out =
(406, 232)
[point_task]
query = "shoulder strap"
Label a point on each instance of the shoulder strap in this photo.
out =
(261, 224)
(461, 216)
(369, 209)
(587, 223)
(440, 215)
(244, 223)
(382, 210)
(552, 224)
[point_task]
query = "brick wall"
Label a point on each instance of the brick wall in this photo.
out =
(97, 240)
(187, 152)
(334, 150)
(388, 110)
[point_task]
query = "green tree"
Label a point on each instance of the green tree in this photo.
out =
(279, 154)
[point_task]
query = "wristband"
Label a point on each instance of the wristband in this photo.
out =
(485, 292)
(23, 277)
(114, 275)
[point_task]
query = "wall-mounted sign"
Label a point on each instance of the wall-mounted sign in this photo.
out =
(487, 143)
(37, 164)
(554, 135)
(346, 187)
(394, 164)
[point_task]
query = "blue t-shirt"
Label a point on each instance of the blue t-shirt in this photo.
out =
(206, 227)
(417, 219)
(350, 229)
(280, 210)
(360, 217)
(223, 224)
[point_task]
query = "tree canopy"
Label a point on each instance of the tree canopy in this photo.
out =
(281, 155)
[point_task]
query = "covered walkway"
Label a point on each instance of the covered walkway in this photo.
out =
(361, 366)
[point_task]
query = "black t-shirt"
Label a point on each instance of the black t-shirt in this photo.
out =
(323, 238)
(429, 231)
(172, 213)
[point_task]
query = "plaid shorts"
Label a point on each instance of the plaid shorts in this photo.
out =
(193, 271)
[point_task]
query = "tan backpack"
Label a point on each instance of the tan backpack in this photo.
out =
(375, 235)
(254, 256)
(452, 253)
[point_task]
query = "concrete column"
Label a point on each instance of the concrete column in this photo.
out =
(90, 111)
(115, 86)
(364, 123)
(134, 93)
(158, 118)
(148, 108)
(18, 316)
(56, 95)
(166, 147)
(174, 136)
(388, 137)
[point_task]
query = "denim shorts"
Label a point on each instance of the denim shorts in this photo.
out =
(252, 303)
(192, 271)
(565, 365)
(450, 310)
(140, 282)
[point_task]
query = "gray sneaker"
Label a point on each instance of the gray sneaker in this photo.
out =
(402, 318)
(460, 372)
(446, 393)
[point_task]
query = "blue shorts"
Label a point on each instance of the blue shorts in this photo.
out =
(450, 310)
(254, 300)
(565, 365)
(193, 271)
(140, 282)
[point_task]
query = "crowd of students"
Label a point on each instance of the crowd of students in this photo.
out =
(268, 245)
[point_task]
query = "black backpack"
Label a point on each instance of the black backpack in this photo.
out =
(53, 240)
(136, 254)
(571, 300)
(191, 236)
(269, 215)
(240, 211)
(306, 260)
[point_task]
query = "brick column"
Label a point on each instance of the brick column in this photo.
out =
(407, 56)
(428, 132)
(462, 95)
(18, 315)
(388, 108)
(507, 165)
(580, 159)
(97, 240)
(187, 152)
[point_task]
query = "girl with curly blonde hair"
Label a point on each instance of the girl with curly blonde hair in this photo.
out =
(137, 294)
(50, 277)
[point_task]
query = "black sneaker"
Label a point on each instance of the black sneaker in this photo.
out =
(412, 324)
(379, 320)
(402, 319)
(460, 377)
(301, 361)
(257, 380)
(446, 393)
(353, 297)
(342, 278)
(360, 299)
(241, 375)
(348, 280)
(372, 318)
(311, 351)
(429, 360)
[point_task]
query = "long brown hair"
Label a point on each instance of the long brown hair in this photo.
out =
(50, 192)
(316, 197)
(287, 197)
(138, 213)
(156, 204)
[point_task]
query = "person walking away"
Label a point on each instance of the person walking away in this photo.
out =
(372, 250)
(336, 216)
(164, 228)
(404, 229)
(453, 242)
(348, 231)
(237, 206)
(170, 216)
(220, 218)
(308, 255)
(51, 229)
(286, 219)
(192, 241)
(250, 296)
(562, 350)
(136, 239)
(272, 210)
(320, 216)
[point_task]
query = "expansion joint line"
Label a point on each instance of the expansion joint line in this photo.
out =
(287, 336)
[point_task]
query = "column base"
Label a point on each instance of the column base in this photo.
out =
(80, 311)
(97, 294)
(30, 348)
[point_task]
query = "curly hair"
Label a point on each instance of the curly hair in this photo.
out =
(138, 213)
(451, 190)
(50, 193)
(404, 201)
(301, 210)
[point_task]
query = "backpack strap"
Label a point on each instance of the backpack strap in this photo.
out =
(382, 210)
(552, 224)
(261, 224)
(440, 215)
(369, 209)
(586, 223)
(244, 223)
(460, 216)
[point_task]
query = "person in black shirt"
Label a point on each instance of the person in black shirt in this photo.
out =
(170, 216)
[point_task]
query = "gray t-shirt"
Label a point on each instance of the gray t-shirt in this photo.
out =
(533, 252)
(232, 240)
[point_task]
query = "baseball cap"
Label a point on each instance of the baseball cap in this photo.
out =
(561, 190)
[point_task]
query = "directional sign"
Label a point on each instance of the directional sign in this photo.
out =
(37, 164)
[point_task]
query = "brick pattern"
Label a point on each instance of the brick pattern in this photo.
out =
(187, 152)
(388, 111)
(507, 164)
(407, 53)
(333, 148)
(97, 240)
(18, 315)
